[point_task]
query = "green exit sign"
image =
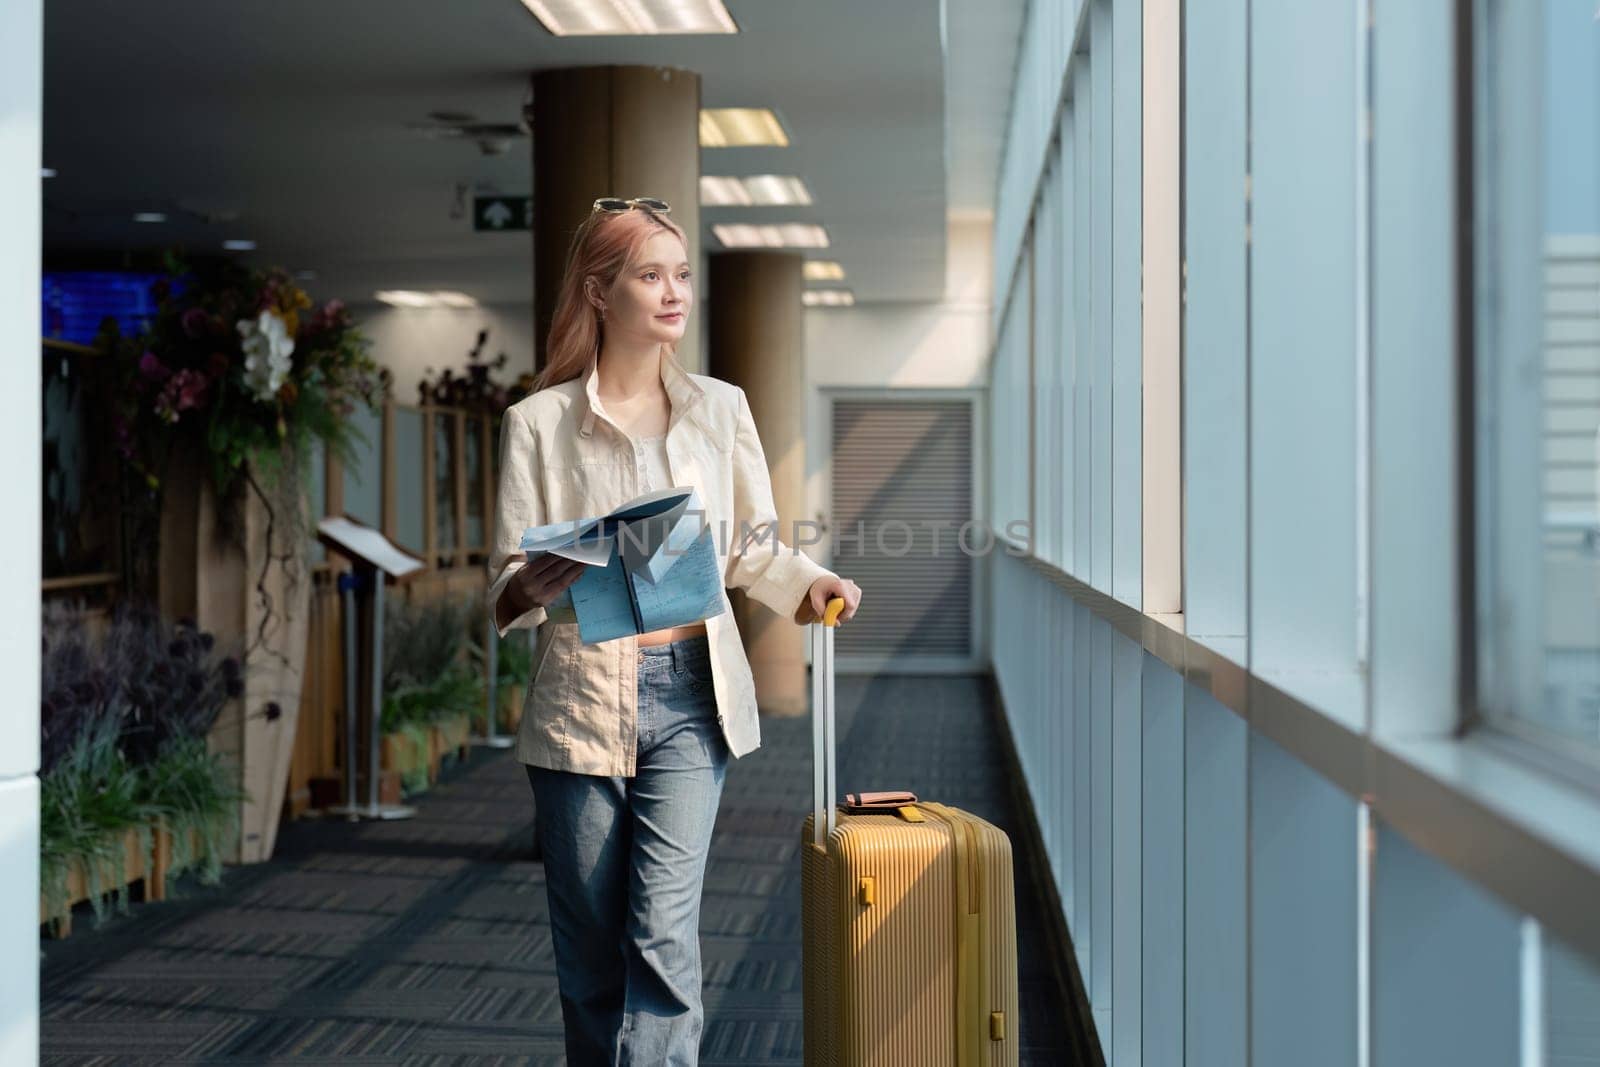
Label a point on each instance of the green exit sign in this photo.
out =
(493, 214)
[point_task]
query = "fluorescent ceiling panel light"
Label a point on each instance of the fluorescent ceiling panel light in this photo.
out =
(149, 216)
(412, 298)
(760, 190)
(775, 189)
(823, 270)
(740, 127)
(596, 18)
(832, 298)
(723, 192)
(405, 298)
(788, 235)
(239, 246)
(739, 236)
(803, 235)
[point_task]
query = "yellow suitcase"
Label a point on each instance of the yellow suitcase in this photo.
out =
(908, 922)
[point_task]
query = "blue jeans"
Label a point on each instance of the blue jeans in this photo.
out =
(624, 862)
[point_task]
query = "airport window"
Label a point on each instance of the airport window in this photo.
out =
(1535, 362)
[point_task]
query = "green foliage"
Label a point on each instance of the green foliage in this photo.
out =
(85, 803)
(427, 676)
(191, 789)
(123, 724)
(456, 692)
(94, 795)
(423, 640)
(513, 657)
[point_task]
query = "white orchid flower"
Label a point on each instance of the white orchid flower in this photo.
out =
(267, 348)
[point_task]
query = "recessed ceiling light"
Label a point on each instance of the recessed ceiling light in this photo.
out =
(452, 299)
(760, 189)
(823, 270)
(149, 216)
(592, 18)
(239, 246)
(834, 298)
(47, 172)
(740, 127)
(787, 235)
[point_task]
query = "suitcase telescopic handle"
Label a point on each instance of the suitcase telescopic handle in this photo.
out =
(823, 741)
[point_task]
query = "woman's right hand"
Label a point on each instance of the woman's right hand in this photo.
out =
(541, 581)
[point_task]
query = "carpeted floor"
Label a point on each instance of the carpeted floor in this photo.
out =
(427, 941)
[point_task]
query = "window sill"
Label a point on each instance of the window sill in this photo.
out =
(1527, 836)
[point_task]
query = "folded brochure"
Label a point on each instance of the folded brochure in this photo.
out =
(651, 565)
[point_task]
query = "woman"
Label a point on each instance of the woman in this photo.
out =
(627, 741)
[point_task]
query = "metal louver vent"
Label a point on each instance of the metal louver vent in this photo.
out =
(902, 477)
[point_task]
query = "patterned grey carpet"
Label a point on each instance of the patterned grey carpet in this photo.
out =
(428, 941)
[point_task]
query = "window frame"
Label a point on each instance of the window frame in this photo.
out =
(1487, 696)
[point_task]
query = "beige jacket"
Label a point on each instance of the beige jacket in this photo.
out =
(562, 458)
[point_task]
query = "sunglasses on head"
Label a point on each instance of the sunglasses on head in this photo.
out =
(612, 203)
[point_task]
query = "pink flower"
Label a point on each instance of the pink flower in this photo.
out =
(191, 388)
(184, 391)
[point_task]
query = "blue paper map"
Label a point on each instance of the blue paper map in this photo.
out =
(651, 565)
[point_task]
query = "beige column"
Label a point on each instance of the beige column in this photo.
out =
(610, 131)
(757, 342)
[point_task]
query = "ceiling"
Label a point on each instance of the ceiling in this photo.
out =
(285, 122)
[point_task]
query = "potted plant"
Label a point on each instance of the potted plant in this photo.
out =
(128, 788)
(429, 690)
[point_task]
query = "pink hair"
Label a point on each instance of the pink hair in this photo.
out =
(603, 245)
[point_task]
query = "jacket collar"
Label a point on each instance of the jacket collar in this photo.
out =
(682, 391)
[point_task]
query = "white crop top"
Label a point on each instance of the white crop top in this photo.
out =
(653, 472)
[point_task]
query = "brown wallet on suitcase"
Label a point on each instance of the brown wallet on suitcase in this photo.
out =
(908, 920)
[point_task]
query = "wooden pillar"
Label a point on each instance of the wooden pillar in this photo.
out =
(610, 131)
(757, 341)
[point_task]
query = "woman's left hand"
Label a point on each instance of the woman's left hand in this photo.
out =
(824, 589)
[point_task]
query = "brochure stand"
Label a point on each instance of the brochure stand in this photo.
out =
(375, 561)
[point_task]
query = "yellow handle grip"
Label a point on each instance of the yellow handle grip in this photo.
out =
(830, 614)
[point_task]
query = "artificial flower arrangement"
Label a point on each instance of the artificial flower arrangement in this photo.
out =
(474, 390)
(240, 366)
(239, 361)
